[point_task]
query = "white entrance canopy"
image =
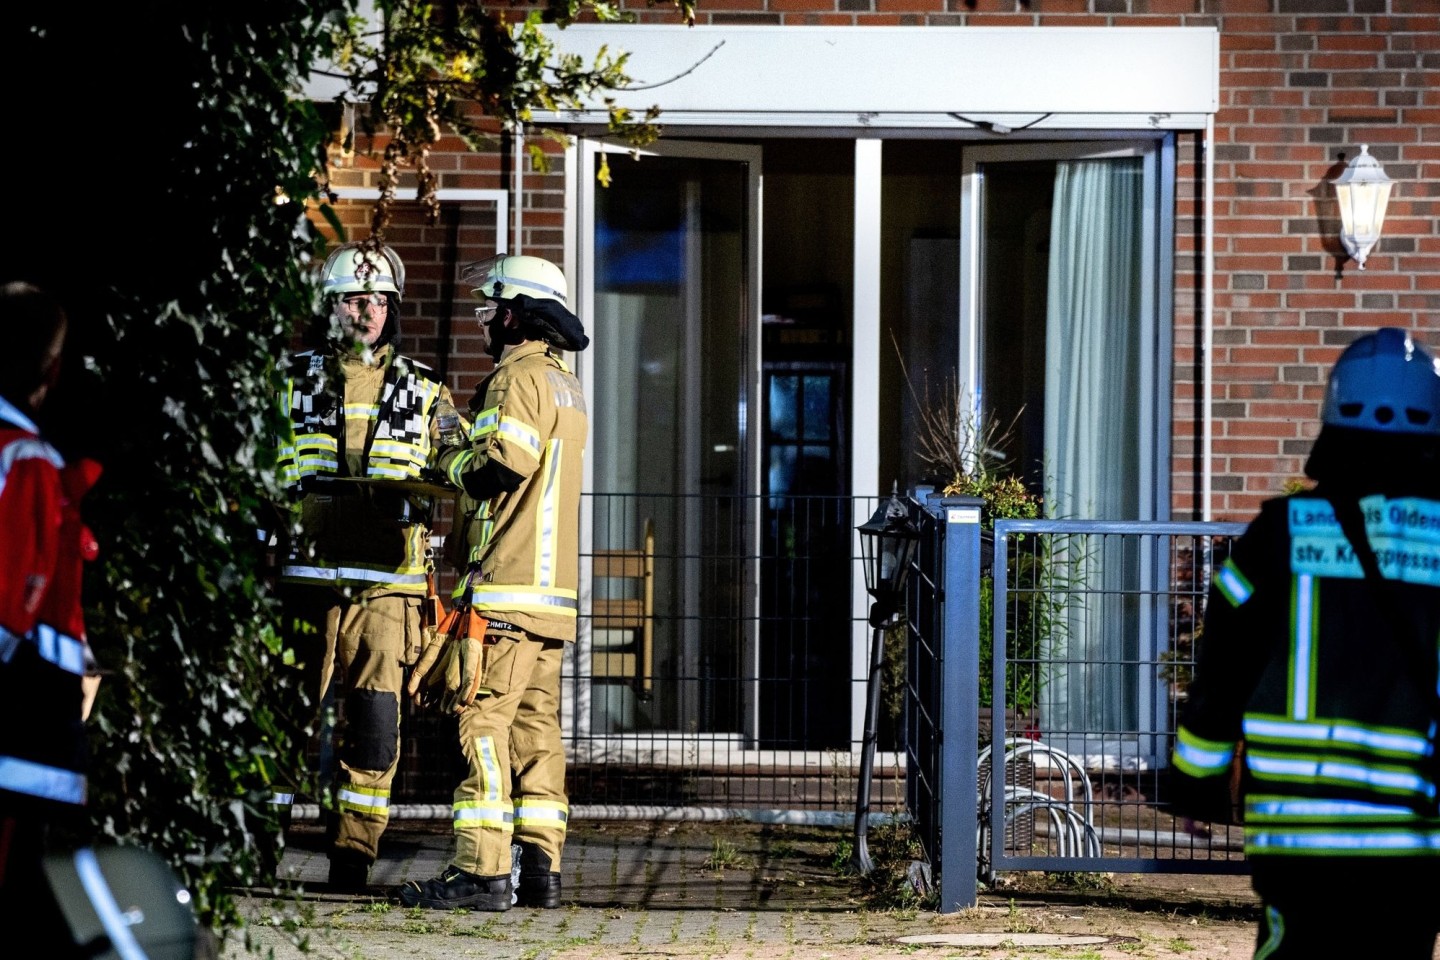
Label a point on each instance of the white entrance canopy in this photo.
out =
(996, 80)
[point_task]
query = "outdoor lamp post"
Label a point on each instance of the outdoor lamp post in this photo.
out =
(887, 543)
(1362, 192)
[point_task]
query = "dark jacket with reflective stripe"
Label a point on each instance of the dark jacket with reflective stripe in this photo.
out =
(1327, 677)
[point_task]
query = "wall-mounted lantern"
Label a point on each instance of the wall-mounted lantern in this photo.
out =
(1362, 191)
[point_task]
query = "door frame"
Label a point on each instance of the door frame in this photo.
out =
(1157, 324)
(1157, 282)
(580, 239)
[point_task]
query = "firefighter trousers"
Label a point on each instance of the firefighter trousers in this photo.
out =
(356, 656)
(515, 789)
(1342, 906)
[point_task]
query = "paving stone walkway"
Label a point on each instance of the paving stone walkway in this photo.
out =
(666, 889)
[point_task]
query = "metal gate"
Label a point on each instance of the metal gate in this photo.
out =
(1046, 664)
(1093, 633)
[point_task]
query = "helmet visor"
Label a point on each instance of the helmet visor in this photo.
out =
(482, 277)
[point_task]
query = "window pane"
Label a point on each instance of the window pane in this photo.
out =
(817, 408)
(783, 407)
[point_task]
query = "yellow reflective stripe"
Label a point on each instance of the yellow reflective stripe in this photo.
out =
(485, 423)
(553, 600)
(1233, 584)
(524, 436)
(325, 574)
(477, 815)
(489, 767)
(389, 471)
(1322, 735)
(1366, 841)
(546, 525)
(456, 470)
(542, 813)
(399, 450)
(1303, 810)
(362, 411)
(314, 453)
(315, 441)
(364, 800)
(1200, 757)
(1388, 779)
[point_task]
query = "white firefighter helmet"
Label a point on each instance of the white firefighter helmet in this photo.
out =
(355, 268)
(504, 277)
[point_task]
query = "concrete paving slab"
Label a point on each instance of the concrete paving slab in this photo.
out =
(721, 891)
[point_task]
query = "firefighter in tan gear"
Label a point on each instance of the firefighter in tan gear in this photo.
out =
(517, 531)
(362, 423)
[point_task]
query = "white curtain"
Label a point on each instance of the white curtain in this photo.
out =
(1092, 346)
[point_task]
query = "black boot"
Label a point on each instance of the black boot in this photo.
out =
(539, 885)
(456, 888)
(349, 874)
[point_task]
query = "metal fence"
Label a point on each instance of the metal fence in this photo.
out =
(1066, 659)
(1028, 705)
(720, 666)
(1094, 628)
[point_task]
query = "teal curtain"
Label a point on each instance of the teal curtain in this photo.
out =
(1092, 445)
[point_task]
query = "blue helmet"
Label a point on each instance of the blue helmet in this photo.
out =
(1385, 382)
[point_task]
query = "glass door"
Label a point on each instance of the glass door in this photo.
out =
(668, 268)
(1065, 334)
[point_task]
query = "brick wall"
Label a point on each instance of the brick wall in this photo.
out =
(1303, 83)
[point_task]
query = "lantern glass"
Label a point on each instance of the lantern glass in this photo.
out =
(887, 543)
(1362, 193)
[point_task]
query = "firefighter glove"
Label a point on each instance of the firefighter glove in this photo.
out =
(428, 675)
(465, 666)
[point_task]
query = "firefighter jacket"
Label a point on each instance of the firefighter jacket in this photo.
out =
(1328, 678)
(43, 647)
(521, 546)
(353, 418)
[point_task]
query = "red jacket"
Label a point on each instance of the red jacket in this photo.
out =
(43, 649)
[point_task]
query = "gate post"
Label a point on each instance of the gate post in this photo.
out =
(960, 713)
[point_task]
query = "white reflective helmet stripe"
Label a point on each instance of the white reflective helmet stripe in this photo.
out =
(353, 280)
(509, 275)
(517, 282)
(352, 267)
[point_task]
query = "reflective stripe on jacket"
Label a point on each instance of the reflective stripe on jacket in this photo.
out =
(350, 418)
(523, 546)
(1327, 678)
